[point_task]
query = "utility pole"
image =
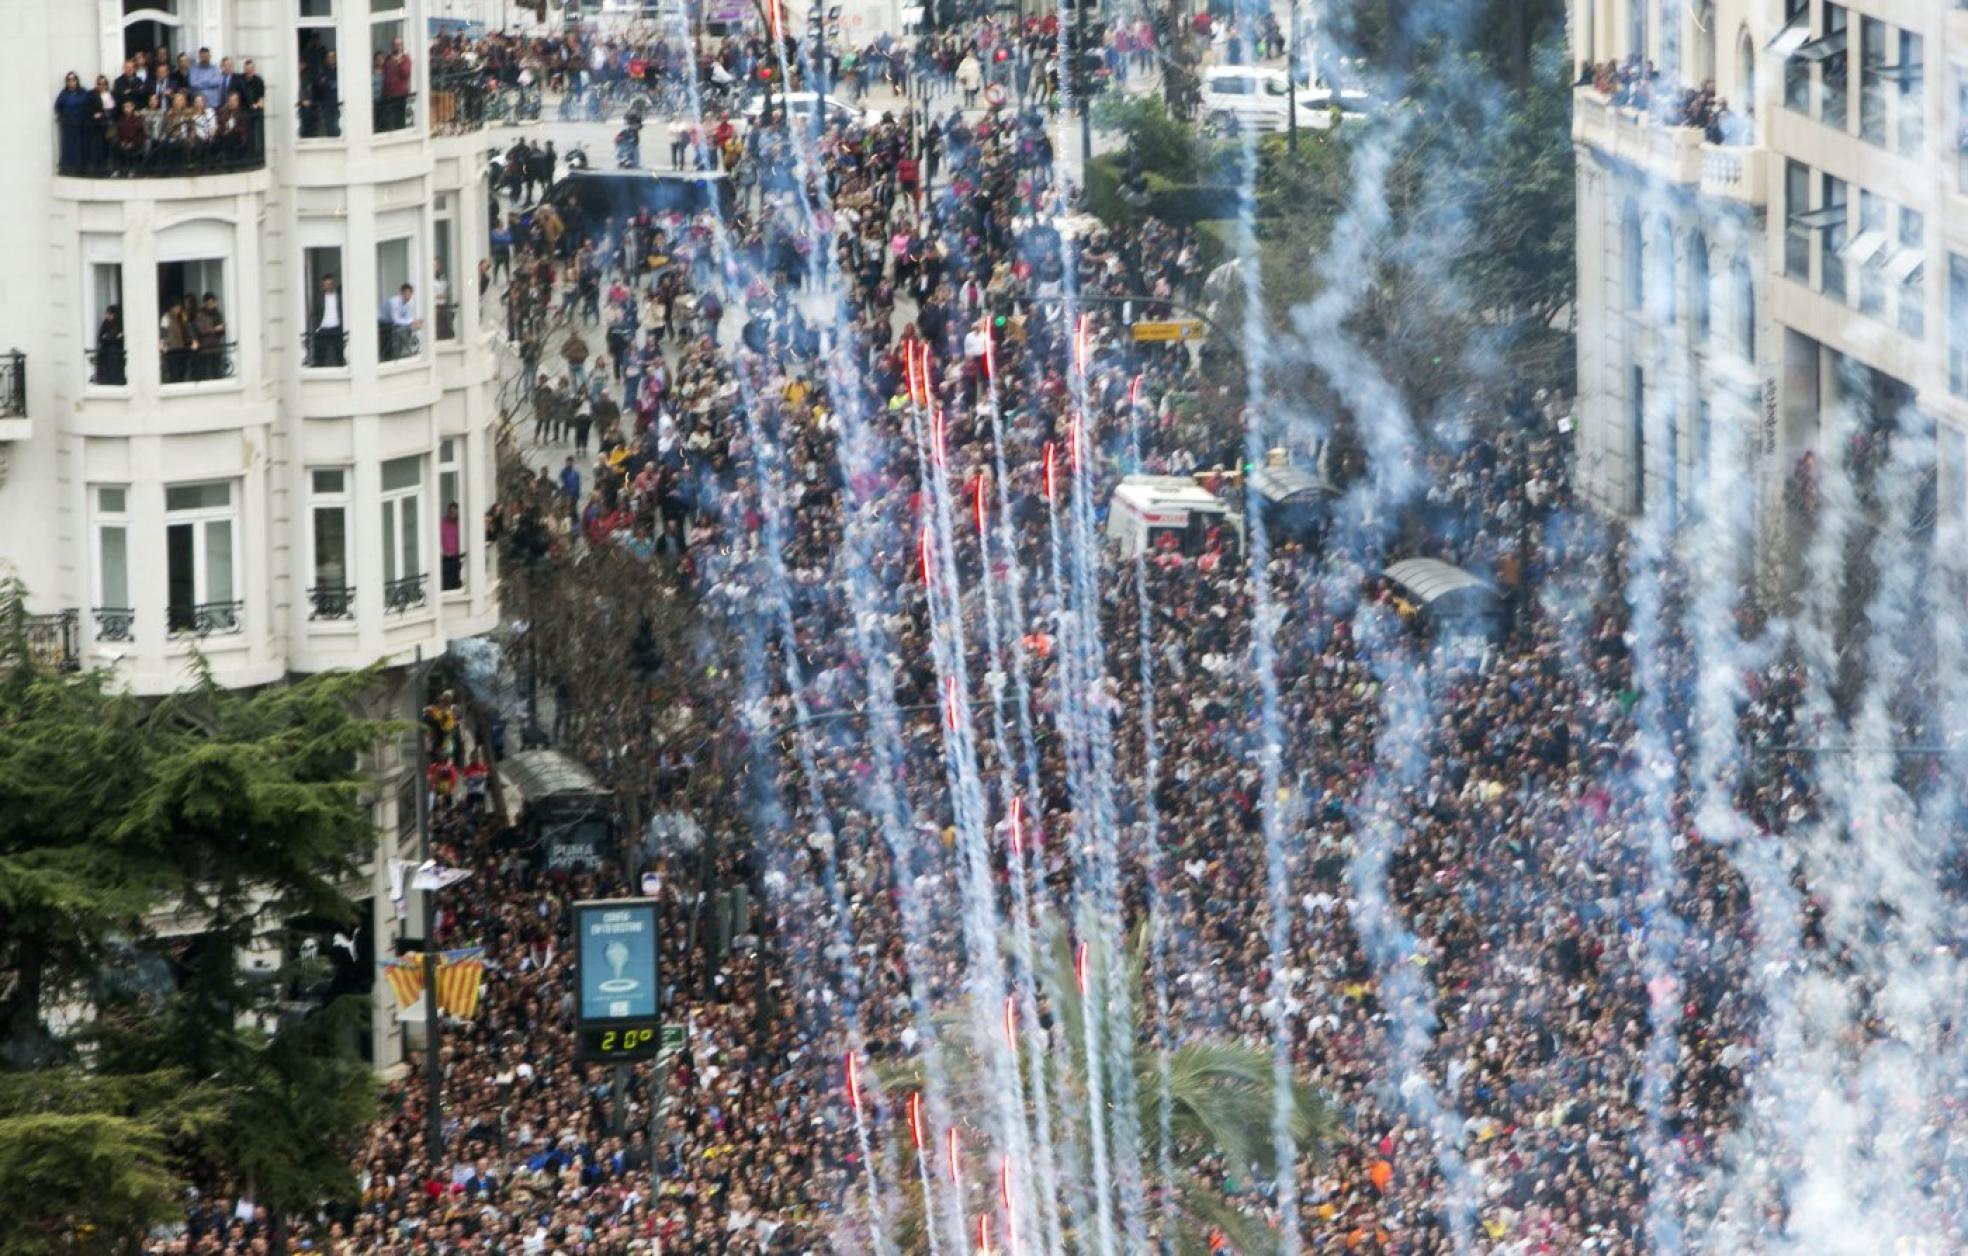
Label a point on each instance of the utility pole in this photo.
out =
(1291, 84)
(818, 16)
(1084, 81)
(434, 1114)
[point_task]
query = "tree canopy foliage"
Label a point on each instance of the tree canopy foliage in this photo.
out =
(234, 814)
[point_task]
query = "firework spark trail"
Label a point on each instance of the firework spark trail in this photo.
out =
(1856, 1135)
(855, 450)
(1652, 785)
(1153, 871)
(771, 499)
(1265, 617)
(1037, 1055)
(984, 967)
(1396, 954)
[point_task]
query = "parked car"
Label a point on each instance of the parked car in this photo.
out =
(1239, 96)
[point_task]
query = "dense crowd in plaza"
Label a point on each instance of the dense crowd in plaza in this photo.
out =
(781, 475)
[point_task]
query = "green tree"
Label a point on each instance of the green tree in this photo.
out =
(1220, 1105)
(238, 812)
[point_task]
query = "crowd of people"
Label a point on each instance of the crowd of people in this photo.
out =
(1636, 84)
(916, 322)
(162, 116)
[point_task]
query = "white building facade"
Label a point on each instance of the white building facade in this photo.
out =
(310, 494)
(1737, 289)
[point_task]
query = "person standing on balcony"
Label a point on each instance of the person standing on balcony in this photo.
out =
(450, 537)
(396, 87)
(206, 79)
(400, 324)
(72, 108)
(129, 85)
(109, 348)
(174, 340)
(441, 302)
(321, 100)
(326, 330)
(209, 326)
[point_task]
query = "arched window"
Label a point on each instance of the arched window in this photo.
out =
(151, 24)
(1664, 276)
(1633, 248)
(1698, 284)
(1745, 295)
(1743, 103)
(1704, 41)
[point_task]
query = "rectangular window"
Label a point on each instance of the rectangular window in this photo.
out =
(1796, 69)
(108, 362)
(390, 101)
(1797, 238)
(331, 596)
(1907, 268)
(1833, 240)
(1704, 449)
(201, 562)
(397, 320)
(1909, 74)
(113, 612)
(1636, 28)
(443, 295)
(1835, 71)
(326, 338)
(1868, 251)
(319, 91)
(1872, 84)
(403, 568)
(318, 8)
(1639, 421)
(1961, 130)
(1957, 328)
(194, 341)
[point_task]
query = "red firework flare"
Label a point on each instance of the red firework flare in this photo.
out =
(953, 1156)
(950, 689)
(1048, 470)
(1017, 825)
(1080, 968)
(915, 1120)
(922, 549)
(1011, 1023)
(979, 488)
(853, 1084)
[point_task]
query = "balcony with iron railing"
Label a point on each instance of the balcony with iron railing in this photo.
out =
(54, 640)
(405, 594)
(205, 619)
(161, 144)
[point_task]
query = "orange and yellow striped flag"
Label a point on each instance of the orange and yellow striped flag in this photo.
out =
(460, 978)
(406, 979)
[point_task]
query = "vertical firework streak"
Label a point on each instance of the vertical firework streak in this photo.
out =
(1652, 787)
(1036, 1056)
(1396, 954)
(856, 450)
(1265, 617)
(984, 965)
(1151, 859)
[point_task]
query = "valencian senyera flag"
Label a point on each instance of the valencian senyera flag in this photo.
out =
(406, 979)
(460, 977)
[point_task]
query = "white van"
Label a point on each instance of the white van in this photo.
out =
(1238, 96)
(1147, 509)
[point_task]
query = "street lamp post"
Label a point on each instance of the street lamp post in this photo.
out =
(434, 1116)
(1291, 84)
